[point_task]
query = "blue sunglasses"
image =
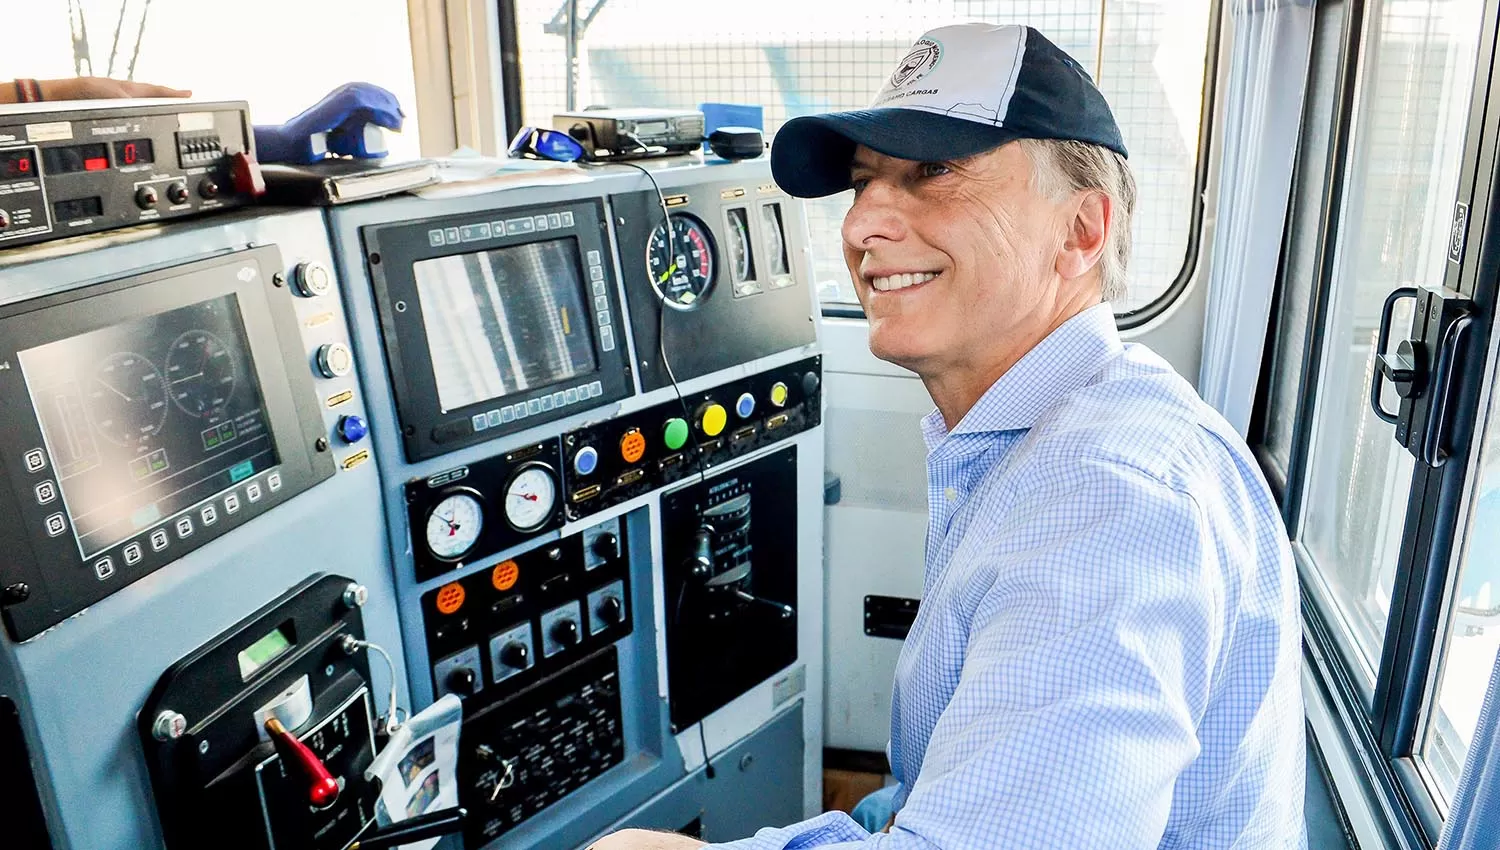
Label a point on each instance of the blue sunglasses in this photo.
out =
(537, 143)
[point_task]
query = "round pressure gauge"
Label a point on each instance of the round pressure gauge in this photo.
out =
(530, 496)
(453, 525)
(681, 262)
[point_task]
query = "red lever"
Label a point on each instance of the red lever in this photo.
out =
(245, 173)
(324, 789)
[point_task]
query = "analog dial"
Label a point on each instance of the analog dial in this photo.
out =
(127, 399)
(200, 374)
(530, 496)
(681, 265)
(453, 526)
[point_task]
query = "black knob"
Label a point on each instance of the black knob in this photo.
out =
(208, 189)
(809, 384)
(145, 197)
(565, 632)
(514, 654)
(462, 681)
(177, 193)
(607, 546)
(612, 610)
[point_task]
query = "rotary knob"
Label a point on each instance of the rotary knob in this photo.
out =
(145, 197)
(612, 610)
(810, 383)
(462, 681)
(565, 632)
(515, 654)
(177, 193)
(607, 546)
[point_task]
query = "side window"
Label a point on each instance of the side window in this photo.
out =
(278, 68)
(799, 58)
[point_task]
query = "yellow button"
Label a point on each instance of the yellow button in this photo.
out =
(713, 419)
(778, 394)
(632, 445)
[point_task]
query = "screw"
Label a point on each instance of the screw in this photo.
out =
(203, 747)
(322, 444)
(18, 592)
(328, 671)
(349, 644)
(278, 279)
(356, 595)
(746, 760)
(169, 726)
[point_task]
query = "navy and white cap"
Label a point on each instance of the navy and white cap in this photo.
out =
(961, 90)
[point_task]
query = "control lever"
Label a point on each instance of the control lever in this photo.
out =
(430, 825)
(701, 564)
(786, 611)
(323, 789)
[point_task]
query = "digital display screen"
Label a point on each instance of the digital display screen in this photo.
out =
(147, 418)
(134, 152)
(66, 160)
(263, 652)
(17, 165)
(76, 208)
(505, 321)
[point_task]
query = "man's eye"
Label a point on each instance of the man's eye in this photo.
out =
(934, 169)
(858, 184)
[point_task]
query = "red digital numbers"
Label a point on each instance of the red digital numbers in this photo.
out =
(130, 154)
(24, 166)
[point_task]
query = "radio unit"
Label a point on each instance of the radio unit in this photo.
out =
(72, 168)
(496, 323)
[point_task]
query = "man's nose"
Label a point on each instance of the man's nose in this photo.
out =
(877, 214)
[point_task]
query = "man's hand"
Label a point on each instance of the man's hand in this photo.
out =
(100, 88)
(645, 839)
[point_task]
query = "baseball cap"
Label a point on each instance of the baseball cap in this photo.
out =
(961, 90)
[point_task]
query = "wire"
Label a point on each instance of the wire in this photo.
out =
(393, 719)
(708, 766)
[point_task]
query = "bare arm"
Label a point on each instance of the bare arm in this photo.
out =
(93, 88)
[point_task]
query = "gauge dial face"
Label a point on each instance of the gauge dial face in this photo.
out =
(684, 277)
(775, 240)
(453, 526)
(530, 496)
(740, 254)
(127, 399)
(200, 374)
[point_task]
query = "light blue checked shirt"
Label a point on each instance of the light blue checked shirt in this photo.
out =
(1107, 651)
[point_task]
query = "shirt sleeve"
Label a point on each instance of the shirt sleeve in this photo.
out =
(1095, 626)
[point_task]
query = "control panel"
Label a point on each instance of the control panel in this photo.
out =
(73, 168)
(500, 629)
(614, 461)
(464, 514)
(533, 749)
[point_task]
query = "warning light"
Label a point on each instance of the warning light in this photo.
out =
(505, 575)
(450, 598)
(97, 163)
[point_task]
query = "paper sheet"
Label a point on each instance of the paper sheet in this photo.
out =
(418, 769)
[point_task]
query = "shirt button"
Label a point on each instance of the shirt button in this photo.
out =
(950, 493)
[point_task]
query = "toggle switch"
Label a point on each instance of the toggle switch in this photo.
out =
(322, 789)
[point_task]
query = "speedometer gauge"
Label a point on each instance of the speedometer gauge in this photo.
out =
(530, 496)
(681, 266)
(453, 525)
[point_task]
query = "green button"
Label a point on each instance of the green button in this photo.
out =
(675, 435)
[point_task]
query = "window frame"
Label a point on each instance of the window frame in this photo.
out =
(511, 74)
(1387, 728)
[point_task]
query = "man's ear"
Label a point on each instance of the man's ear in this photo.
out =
(1083, 247)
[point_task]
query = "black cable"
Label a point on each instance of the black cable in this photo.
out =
(708, 766)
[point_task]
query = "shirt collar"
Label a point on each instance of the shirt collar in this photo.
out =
(1064, 361)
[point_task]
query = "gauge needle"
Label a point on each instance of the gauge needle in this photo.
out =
(671, 270)
(113, 390)
(530, 497)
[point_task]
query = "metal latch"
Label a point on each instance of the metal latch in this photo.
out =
(1422, 368)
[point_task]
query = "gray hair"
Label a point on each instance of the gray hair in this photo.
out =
(1060, 168)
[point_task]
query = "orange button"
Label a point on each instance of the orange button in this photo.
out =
(450, 598)
(632, 445)
(505, 575)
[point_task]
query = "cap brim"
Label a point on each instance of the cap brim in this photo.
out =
(810, 155)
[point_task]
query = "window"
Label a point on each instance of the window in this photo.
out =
(1410, 126)
(223, 50)
(796, 57)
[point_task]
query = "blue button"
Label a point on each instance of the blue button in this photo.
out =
(559, 398)
(533, 407)
(586, 461)
(745, 405)
(507, 414)
(546, 402)
(353, 429)
(571, 395)
(494, 417)
(480, 421)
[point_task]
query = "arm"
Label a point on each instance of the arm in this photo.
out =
(91, 88)
(1086, 671)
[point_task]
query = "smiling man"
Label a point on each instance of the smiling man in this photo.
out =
(1106, 654)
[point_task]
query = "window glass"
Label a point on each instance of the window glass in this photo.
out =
(1469, 650)
(795, 57)
(1289, 349)
(278, 55)
(1417, 73)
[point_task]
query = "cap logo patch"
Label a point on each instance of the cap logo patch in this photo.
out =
(924, 56)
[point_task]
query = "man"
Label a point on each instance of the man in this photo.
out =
(1106, 655)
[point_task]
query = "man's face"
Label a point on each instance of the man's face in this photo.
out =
(980, 240)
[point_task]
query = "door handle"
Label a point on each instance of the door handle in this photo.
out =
(1404, 369)
(1433, 453)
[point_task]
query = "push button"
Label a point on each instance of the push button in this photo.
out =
(778, 394)
(745, 405)
(586, 460)
(712, 418)
(159, 539)
(675, 433)
(184, 527)
(56, 525)
(104, 567)
(133, 554)
(45, 492)
(36, 460)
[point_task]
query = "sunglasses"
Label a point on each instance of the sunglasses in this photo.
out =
(537, 143)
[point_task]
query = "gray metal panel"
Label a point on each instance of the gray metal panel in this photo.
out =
(82, 683)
